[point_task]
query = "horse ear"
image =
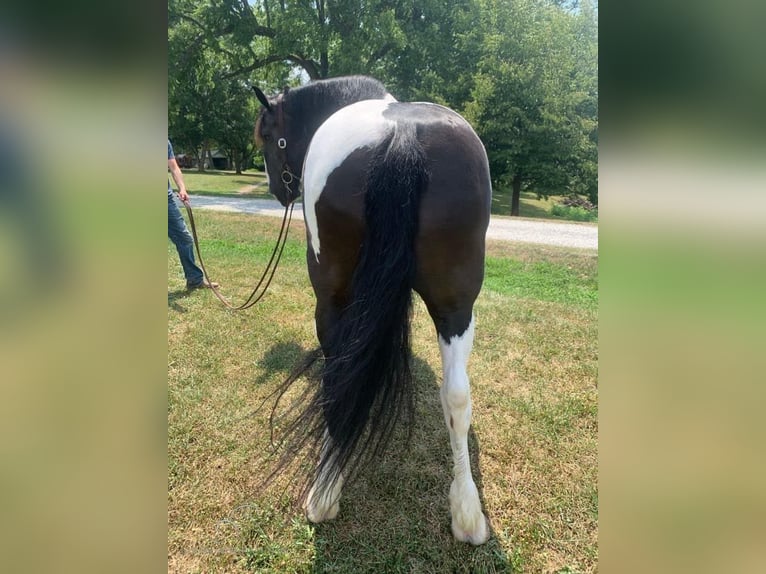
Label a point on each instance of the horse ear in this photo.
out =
(262, 97)
(285, 90)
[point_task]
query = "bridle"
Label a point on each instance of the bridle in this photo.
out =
(271, 266)
(287, 176)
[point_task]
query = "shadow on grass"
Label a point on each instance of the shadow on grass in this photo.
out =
(529, 210)
(393, 518)
(174, 296)
(280, 358)
(396, 517)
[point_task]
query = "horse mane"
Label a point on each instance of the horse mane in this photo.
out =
(309, 105)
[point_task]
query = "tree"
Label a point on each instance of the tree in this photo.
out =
(234, 129)
(192, 92)
(534, 98)
(436, 61)
(349, 35)
(207, 108)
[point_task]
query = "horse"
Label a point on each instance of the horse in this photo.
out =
(396, 199)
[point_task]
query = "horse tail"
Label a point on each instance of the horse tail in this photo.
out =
(366, 378)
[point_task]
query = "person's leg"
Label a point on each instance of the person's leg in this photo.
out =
(182, 239)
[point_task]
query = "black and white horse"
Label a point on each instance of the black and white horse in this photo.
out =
(396, 197)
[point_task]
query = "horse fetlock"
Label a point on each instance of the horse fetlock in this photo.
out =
(468, 521)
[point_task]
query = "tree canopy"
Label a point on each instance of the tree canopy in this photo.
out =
(524, 72)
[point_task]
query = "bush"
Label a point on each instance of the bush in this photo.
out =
(576, 201)
(574, 213)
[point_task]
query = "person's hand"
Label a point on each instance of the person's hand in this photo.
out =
(183, 195)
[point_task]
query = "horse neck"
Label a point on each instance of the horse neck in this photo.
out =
(318, 103)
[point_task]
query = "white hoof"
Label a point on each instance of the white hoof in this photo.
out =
(317, 513)
(468, 521)
(324, 507)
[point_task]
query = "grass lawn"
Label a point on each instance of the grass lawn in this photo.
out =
(533, 440)
(247, 184)
(253, 184)
(529, 205)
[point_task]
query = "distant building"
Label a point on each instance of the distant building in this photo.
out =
(220, 160)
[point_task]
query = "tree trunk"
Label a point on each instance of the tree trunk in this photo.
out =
(268, 13)
(515, 194)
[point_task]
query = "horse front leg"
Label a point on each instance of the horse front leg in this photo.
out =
(468, 521)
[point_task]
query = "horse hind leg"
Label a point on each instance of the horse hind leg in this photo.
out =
(468, 521)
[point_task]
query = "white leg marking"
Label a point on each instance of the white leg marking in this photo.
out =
(324, 503)
(468, 522)
(356, 126)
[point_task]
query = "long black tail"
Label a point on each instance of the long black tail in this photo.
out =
(366, 380)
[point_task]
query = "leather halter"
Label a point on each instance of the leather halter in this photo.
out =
(287, 176)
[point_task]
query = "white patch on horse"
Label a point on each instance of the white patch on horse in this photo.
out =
(356, 126)
(468, 521)
(266, 169)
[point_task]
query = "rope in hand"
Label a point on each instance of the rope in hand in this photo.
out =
(277, 252)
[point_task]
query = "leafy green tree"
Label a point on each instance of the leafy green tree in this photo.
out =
(534, 98)
(185, 73)
(234, 128)
(321, 37)
(207, 107)
(194, 92)
(436, 61)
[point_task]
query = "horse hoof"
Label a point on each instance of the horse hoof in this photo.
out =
(317, 513)
(476, 534)
(468, 521)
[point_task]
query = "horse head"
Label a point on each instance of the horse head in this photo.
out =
(288, 121)
(283, 150)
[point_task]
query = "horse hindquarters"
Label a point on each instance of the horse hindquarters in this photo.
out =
(366, 380)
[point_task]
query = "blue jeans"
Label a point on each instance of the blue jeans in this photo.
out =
(180, 236)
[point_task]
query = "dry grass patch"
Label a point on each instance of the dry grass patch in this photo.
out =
(533, 439)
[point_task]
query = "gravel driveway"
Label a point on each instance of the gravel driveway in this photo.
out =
(503, 228)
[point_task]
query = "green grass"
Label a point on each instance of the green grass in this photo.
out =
(533, 207)
(541, 280)
(533, 440)
(227, 183)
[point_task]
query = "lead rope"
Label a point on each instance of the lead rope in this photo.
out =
(278, 248)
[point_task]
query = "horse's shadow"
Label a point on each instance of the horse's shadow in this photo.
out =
(395, 517)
